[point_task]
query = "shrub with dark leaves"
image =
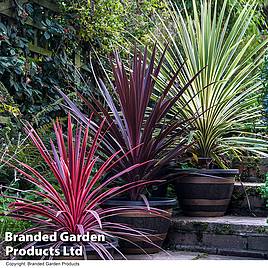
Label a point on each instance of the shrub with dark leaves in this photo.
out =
(138, 120)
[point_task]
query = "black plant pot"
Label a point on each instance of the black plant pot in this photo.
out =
(144, 220)
(205, 192)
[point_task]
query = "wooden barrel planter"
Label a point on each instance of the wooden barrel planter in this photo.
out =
(144, 220)
(205, 192)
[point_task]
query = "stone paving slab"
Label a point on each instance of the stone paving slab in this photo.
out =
(235, 220)
(250, 184)
(222, 225)
(228, 235)
(184, 255)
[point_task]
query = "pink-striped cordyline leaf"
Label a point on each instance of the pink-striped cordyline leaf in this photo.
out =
(73, 201)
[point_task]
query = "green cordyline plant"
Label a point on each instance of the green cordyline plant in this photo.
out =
(225, 93)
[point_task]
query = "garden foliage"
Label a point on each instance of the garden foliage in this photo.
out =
(75, 203)
(226, 91)
(137, 123)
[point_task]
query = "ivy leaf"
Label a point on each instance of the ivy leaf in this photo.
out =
(12, 52)
(47, 35)
(3, 28)
(21, 43)
(17, 71)
(48, 22)
(29, 8)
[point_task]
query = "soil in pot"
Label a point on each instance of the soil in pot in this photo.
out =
(139, 219)
(205, 192)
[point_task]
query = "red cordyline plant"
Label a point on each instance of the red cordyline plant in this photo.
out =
(138, 119)
(74, 204)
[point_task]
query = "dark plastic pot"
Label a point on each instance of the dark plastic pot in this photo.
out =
(205, 192)
(157, 226)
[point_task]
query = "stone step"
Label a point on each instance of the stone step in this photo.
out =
(253, 179)
(247, 201)
(181, 255)
(228, 235)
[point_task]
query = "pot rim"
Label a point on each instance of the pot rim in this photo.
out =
(153, 202)
(209, 171)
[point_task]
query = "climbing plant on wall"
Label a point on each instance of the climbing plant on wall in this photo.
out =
(41, 47)
(107, 24)
(30, 71)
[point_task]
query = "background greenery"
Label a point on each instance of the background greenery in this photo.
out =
(28, 80)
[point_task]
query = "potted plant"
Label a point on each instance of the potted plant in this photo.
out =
(224, 96)
(140, 123)
(71, 201)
